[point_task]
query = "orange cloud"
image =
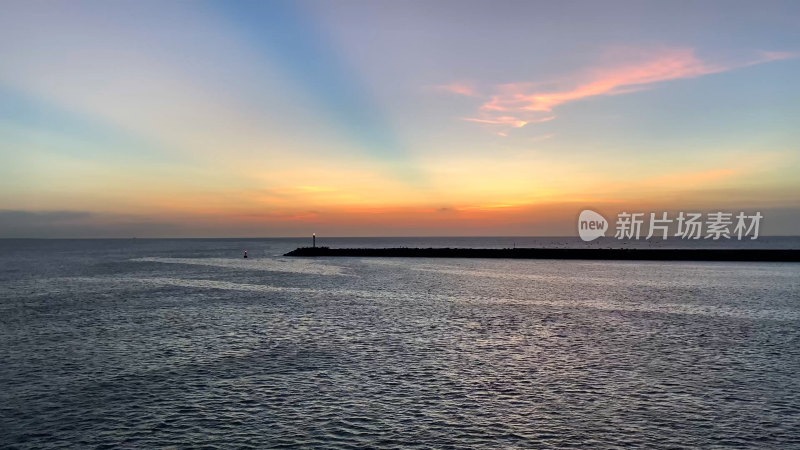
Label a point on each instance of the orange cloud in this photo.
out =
(516, 104)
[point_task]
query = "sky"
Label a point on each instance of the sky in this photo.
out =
(407, 118)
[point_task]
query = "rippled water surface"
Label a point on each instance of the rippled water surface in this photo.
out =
(153, 343)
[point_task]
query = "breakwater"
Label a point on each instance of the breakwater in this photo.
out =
(765, 255)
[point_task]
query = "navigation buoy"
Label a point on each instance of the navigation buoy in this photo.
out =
(245, 253)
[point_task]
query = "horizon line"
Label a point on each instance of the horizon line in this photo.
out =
(377, 237)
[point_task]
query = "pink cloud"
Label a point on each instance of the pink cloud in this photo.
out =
(775, 56)
(669, 65)
(515, 105)
(461, 88)
(511, 121)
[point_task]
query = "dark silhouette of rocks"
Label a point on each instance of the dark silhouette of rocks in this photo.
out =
(765, 255)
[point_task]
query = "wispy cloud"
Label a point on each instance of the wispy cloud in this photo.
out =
(511, 121)
(542, 137)
(515, 105)
(458, 87)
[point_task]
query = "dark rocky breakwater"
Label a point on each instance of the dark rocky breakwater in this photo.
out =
(765, 255)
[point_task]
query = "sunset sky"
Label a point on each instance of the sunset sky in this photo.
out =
(377, 118)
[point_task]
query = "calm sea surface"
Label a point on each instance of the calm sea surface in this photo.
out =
(154, 343)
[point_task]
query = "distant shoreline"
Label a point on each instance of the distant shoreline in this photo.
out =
(752, 255)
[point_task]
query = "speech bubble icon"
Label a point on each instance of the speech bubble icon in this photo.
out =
(591, 225)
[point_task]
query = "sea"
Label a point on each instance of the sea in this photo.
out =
(183, 343)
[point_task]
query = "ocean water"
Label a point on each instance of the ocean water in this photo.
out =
(158, 343)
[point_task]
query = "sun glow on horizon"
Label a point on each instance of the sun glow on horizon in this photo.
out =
(166, 119)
